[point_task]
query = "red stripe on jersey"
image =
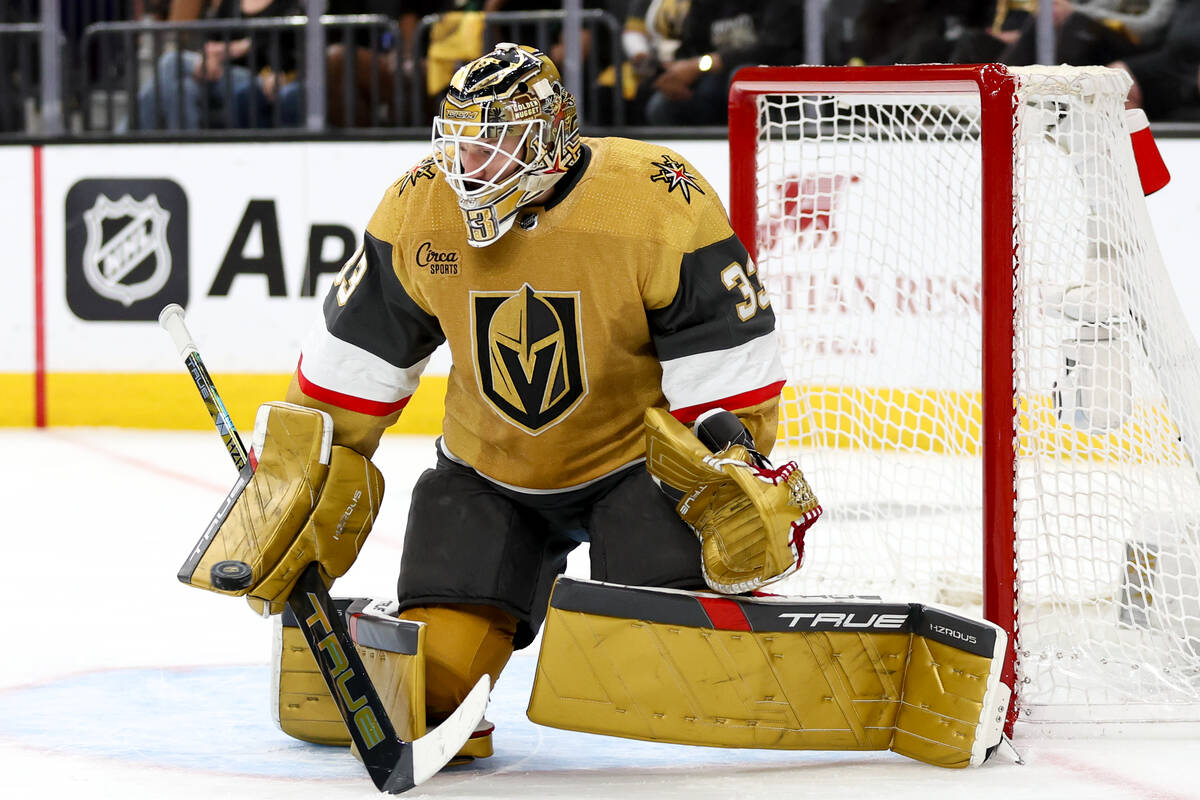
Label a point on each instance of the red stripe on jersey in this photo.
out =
(726, 615)
(360, 405)
(743, 400)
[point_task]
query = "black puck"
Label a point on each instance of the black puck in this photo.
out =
(229, 576)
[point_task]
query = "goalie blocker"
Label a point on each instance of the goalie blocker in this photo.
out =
(777, 673)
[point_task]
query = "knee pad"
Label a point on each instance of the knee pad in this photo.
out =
(392, 655)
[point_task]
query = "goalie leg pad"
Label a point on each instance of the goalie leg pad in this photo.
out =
(392, 651)
(778, 673)
(408, 673)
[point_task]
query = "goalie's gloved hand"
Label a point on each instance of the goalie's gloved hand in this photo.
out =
(308, 501)
(750, 519)
(718, 430)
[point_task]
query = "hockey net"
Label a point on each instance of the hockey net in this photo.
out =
(992, 387)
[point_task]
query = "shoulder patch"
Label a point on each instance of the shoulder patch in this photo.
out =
(423, 169)
(675, 175)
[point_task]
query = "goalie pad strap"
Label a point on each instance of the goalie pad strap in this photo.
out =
(772, 614)
(780, 673)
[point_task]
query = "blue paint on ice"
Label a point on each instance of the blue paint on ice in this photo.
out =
(217, 719)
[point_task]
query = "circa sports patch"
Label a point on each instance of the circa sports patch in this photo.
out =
(675, 175)
(528, 353)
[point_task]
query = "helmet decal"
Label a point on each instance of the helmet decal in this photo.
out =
(506, 132)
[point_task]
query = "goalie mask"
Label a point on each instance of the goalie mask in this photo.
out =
(506, 133)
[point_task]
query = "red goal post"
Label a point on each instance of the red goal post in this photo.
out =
(927, 233)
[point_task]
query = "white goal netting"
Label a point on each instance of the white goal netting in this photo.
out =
(869, 208)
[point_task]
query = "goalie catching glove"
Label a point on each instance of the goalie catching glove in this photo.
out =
(750, 518)
(307, 501)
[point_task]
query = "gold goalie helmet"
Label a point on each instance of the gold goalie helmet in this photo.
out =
(507, 132)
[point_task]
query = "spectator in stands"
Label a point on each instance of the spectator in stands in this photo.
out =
(718, 37)
(1095, 31)
(897, 31)
(1166, 80)
(987, 37)
(521, 31)
(651, 34)
(18, 65)
(375, 64)
(461, 37)
(194, 90)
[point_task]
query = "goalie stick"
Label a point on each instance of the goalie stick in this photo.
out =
(393, 764)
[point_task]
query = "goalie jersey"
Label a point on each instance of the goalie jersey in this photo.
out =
(627, 289)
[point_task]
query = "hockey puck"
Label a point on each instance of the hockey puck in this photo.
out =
(229, 576)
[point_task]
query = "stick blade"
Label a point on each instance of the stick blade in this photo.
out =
(432, 751)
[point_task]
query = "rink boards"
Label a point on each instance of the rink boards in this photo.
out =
(248, 237)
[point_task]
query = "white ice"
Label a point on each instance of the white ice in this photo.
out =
(118, 682)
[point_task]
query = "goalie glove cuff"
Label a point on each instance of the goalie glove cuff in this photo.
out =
(718, 429)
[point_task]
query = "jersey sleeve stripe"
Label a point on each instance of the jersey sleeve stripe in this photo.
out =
(743, 400)
(346, 401)
(703, 379)
(339, 368)
(717, 304)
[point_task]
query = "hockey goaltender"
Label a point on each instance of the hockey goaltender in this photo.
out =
(615, 381)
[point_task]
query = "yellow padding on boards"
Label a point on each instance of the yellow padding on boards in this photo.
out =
(913, 420)
(789, 690)
(170, 401)
(17, 393)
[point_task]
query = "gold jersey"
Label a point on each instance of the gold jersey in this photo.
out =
(627, 289)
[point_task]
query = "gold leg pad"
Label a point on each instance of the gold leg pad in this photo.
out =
(780, 673)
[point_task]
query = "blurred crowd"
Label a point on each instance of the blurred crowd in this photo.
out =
(149, 65)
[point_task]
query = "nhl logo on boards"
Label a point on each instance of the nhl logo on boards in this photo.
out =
(126, 248)
(140, 239)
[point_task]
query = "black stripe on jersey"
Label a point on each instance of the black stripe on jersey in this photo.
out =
(567, 182)
(380, 317)
(703, 316)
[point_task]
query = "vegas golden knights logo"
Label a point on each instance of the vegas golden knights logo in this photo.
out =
(529, 355)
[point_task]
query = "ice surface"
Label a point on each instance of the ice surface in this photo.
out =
(118, 682)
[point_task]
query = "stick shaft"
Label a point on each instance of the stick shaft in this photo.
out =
(218, 412)
(389, 760)
(172, 321)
